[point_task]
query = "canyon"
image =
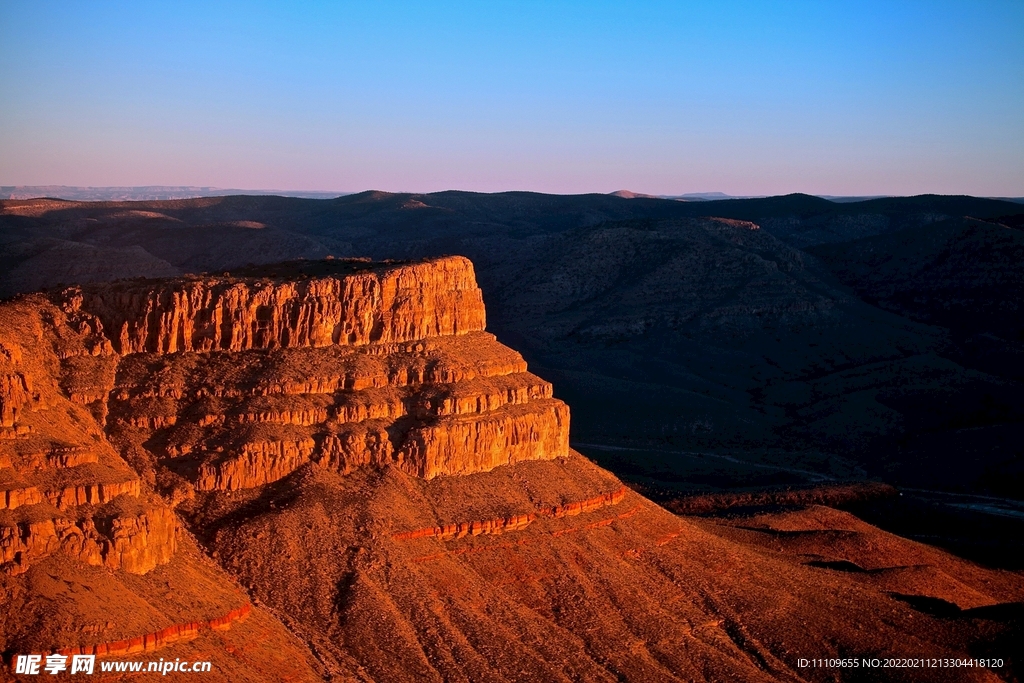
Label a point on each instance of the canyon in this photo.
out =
(328, 469)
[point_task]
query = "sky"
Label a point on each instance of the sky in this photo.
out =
(746, 98)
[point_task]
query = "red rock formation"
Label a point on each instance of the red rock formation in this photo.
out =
(586, 505)
(493, 529)
(481, 395)
(303, 417)
(359, 444)
(260, 462)
(95, 493)
(370, 405)
(303, 371)
(135, 541)
(14, 394)
(514, 522)
(474, 528)
(393, 304)
(457, 445)
(598, 524)
(16, 497)
(371, 366)
(70, 456)
(63, 488)
(139, 543)
(158, 639)
(92, 493)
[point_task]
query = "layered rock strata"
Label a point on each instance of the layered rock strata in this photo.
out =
(233, 382)
(120, 402)
(63, 487)
(159, 639)
(356, 304)
(134, 536)
(513, 522)
(366, 368)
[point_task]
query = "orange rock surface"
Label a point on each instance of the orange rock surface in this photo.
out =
(135, 541)
(159, 639)
(378, 305)
(382, 400)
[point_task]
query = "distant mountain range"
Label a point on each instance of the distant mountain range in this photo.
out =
(718, 196)
(145, 192)
(163, 192)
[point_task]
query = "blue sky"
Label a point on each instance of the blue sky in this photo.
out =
(658, 97)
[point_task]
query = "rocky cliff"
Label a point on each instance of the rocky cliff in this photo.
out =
(348, 304)
(63, 486)
(120, 402)
(231, 382)
(134, 540)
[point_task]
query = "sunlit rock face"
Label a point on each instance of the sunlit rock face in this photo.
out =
(235, 382)
(353, 306)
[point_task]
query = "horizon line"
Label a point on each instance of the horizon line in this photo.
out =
(29, 192)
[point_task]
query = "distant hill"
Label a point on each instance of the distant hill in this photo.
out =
(852, 198)
(627, 194)
(962, 273)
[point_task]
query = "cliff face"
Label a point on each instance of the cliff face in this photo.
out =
(373, 367)
(393, 304)
(134, 541)
(426, 428)
(120, 402)
(539, 431)
(14, 394)
(63, 487)
(232, 382)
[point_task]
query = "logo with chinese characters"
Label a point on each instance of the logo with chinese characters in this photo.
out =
(54, 664)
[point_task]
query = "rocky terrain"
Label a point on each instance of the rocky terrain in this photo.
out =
(330, 470)
(93, 558)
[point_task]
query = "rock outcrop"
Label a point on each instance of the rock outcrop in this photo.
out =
(538, 431)
(14, 394)
(513, 522)
(366, 366)
(159, 639)
(64, 488)
(351, 304)
(136, 539)
(233, 382)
